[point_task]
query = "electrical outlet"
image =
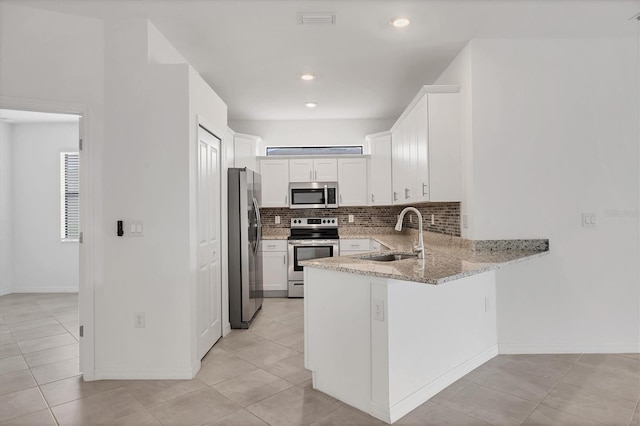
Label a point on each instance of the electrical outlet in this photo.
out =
(433, 219)
(138, 320)
(351, 219)
(589, 220)
(277, 219)
(378, 310)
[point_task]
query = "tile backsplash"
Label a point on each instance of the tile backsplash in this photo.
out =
(446, 216)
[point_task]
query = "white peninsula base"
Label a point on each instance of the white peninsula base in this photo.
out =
(386, 346)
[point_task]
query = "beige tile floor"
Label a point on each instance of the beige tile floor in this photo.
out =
(257, 377)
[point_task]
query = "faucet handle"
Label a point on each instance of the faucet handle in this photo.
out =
(418, 249)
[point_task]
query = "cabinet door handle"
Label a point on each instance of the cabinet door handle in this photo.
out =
(372, 198)
(284, 259)
(310, 176)
(340, 198)
(395, 196)
(406, 193)
(424, 190)
(315, 175)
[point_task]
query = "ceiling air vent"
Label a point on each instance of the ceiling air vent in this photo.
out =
(316, 18)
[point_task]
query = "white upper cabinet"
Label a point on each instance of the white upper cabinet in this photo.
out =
(380, 187)
(313, 170)
(426, 148)
(275, 183)
(444, 181)
(352, 182)
(244, 151)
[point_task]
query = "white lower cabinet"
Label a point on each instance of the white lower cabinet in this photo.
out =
(274, 265)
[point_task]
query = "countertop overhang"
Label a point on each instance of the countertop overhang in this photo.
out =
(446, 258)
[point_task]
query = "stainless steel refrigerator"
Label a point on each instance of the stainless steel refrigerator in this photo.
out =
(245, 257)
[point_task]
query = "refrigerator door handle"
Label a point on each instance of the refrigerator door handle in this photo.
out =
(258, 224)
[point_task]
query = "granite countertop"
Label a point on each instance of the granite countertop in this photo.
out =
(275, 233)
(447, 258)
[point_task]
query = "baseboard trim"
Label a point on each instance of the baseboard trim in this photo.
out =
(22, 290)
(226, 329)
(417, 398)
(517, 349)
(144, 374)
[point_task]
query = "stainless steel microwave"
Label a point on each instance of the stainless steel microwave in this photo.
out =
(313, 195)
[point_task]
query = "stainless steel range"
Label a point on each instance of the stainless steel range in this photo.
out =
(311, 238)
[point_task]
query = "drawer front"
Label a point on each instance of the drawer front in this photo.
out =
(359, 244)
(273, 245)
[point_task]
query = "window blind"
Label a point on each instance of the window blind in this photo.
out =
(70, 195)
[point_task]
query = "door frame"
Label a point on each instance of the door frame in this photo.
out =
(86, 249)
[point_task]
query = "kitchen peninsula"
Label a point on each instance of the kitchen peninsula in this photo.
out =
(385, 336)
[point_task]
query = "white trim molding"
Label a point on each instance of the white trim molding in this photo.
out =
(524, 349)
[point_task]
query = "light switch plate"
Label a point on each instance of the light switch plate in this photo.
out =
(133, 228)
(277, 220)
(351, 219)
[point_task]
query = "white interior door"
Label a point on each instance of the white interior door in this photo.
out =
(209, 312)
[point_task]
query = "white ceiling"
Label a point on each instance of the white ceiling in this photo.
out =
(252, 52)
(18, 117)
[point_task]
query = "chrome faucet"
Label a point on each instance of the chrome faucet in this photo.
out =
(419, 249)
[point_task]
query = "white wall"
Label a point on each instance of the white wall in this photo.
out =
(145, 177)
(41, 261)
(459, 73)
(136, 92)
(311, 132)
(6, 217)
(555, 133)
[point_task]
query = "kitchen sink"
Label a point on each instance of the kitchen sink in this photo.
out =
(391, 257)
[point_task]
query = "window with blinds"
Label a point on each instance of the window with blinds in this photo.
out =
(69, 196)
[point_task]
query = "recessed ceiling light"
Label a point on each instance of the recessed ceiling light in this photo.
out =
(310, 104)
(307, 77)
(400, 22)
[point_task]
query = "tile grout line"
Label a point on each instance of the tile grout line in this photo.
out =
(553, 387)
(29, 368)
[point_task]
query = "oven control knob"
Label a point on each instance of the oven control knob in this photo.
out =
(324, 221)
